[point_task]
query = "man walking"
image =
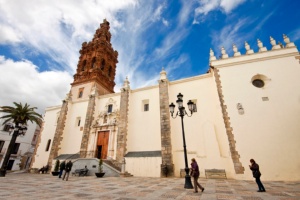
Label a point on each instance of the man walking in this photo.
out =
(62, 167)
(67, 170)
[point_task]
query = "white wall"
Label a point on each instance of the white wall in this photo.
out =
(144, 126)
(72, 134)
(205, 133)
(47, 132)
(144, 166)
(268, 131)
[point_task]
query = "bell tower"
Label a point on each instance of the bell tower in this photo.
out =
(96, 68)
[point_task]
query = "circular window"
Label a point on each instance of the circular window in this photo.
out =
(258, 83)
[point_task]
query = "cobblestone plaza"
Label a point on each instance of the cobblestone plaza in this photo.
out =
(45, 186)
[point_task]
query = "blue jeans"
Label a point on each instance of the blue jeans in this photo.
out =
(60, 173)
(259, 184)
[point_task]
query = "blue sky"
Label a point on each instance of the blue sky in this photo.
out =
(40, 39)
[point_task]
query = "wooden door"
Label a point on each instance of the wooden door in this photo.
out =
(102, 144)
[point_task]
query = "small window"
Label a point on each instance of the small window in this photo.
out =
(48, 145)
(83, 65)
(102, 64)
(78, 121)
(6, 127)
(110, 107)
(146, 107)
(94, 62)
(258, 83)
(1, 144)
(16, 148)
(80, 92)
(109, 71)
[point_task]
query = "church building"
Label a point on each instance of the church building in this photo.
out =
(245, 106)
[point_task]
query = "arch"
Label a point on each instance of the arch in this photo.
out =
(94, 62)
(102, 64)
(109, 71)
(83, 65)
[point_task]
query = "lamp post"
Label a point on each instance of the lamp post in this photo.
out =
(17, 130)
(181, 113)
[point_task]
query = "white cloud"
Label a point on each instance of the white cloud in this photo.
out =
(21, 82)
(229, 5)
(207, 6)
(8, 35)
(294, 35)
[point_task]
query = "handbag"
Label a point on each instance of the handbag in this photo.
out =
(256, 174)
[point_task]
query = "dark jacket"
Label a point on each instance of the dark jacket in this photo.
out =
(195, 170)
(69, 166)
(255, 170)
(62, 165)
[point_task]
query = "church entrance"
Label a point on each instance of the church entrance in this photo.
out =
(102, 144)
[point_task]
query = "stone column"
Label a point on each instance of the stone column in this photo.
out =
(238, 167)
(58, 136)
(87, 126)
(123, 122)
(167, 164)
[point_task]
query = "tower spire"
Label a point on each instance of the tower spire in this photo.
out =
(97, 61)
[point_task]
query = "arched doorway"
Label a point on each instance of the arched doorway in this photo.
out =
(102, 144)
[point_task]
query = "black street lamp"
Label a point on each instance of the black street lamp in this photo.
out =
(181, 112)
(16, 130)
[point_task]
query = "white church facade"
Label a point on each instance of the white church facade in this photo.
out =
(246, 106)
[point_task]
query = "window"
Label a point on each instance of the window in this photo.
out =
(6, 127)
(80, 92)
(78, 121)
(109, 71)
(259, 80)
(258, 83)
(1, 144)
(110, 107)
(48, 145)
(145, 105)
(102, 64)
(94, 62)
(15, 148)
(83, 65)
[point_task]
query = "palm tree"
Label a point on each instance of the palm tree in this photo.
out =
(19, 115)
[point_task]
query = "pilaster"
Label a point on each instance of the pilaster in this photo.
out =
(87, 126)
(238, 167)
(122, 125)
(58, 136)
(165, 129)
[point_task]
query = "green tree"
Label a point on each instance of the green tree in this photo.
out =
(19, 116)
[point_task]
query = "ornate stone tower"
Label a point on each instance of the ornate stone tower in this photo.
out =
(96, 67)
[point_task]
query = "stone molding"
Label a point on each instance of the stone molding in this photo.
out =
(165, 129)
(58, 136)
(238, 167)
(37, 145)
(87, 126)
(122, 126)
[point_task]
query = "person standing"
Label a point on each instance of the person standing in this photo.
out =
(62, 167)
(67, 170)
(195, 174)
(256, 174)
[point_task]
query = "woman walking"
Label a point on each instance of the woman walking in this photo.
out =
(256, 174)
(195, 174)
